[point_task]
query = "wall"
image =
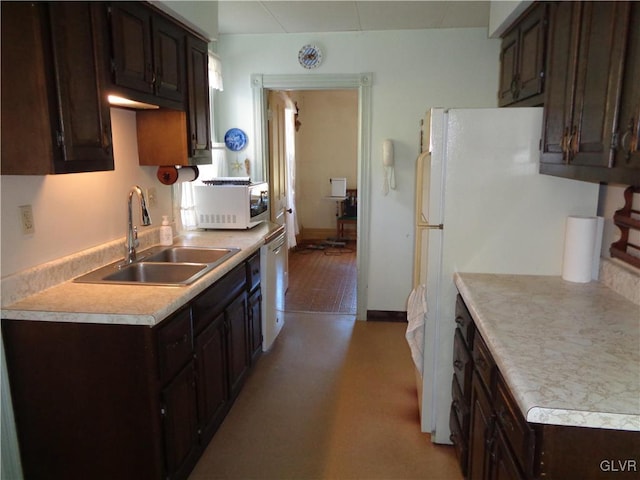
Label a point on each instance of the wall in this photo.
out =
(73, 212)
(326, 146)
(412, 71)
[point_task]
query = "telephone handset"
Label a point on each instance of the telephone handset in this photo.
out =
(388, 163)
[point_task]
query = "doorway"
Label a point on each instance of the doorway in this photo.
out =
(312, 139)
(362, 82)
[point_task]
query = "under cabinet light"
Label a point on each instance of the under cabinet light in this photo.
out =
(125, 102)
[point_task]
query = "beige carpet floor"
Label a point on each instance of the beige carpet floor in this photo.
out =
(334, 398)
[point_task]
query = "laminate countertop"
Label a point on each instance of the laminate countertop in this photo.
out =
(569, 352)
(148, 305)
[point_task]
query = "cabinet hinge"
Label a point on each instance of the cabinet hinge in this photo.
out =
(163, 412)
(59, 138)
(113, 66)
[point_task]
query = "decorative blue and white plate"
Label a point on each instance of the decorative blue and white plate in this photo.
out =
(235, 139)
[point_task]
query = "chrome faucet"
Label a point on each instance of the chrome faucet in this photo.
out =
(132, 232)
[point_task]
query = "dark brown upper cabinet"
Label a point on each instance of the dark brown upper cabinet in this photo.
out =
(148, 50)
(55, 112)
(591, 58)
(199, 127)
(522, 60)
(628, 151)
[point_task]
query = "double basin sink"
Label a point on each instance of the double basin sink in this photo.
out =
(162, 266)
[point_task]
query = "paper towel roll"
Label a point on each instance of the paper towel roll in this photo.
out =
(171, 175)
(579, 246)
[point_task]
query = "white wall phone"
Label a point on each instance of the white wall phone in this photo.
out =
(388, 165)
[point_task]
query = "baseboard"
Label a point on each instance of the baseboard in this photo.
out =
(386, 316)
(316, 234)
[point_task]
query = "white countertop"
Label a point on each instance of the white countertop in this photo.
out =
(134, 304)
(569, 352)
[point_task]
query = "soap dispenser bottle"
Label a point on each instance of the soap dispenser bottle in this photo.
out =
(166, 232)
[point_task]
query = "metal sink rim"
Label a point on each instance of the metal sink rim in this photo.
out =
(110, 274)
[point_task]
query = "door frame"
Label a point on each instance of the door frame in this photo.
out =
(362, 82)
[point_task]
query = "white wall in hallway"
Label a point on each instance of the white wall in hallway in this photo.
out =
(412, 72)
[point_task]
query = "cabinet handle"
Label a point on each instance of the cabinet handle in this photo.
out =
(564, 144)
(629, 140)
(481, 363)
(504, 420)
(573, 143)
(150, 75)
(106, 143)
(459, 321)
(177, 343)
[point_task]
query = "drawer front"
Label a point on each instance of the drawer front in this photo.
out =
(516, 430)
(460, 406)
(483, 362)
(462, 366)
(175, 344)
(253, 271)
(214, 300)
(464, 321)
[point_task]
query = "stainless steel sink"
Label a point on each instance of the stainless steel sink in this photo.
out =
(172, 266)
(191, 255)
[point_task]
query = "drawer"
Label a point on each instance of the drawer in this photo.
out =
(460, 406)
(462, 366)
(464, 321)
(175, 344)
(253, 271)
(216, 298)
(517, 432)
(483, 362)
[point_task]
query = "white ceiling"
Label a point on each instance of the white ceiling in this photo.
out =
(245, 17)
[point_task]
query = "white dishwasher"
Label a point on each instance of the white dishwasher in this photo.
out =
(273, 279)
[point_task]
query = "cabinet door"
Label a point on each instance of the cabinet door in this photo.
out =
(481, 433)
(55, 114)
(132, 49)
(559, 88)
(28, 93)
(168, 59)
(198, 101)
(628, 153)
(255, 324)
(531, 53)
(601, 50)
(503, 465)
(236, 317)
(211, 365)
(508, 68)
(180, 423)
(522, 59)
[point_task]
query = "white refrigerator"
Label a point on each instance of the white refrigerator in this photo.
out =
(481, 206)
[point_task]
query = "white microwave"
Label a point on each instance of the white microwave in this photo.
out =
(231, 204)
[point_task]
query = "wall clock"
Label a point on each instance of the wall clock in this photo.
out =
(310, 56)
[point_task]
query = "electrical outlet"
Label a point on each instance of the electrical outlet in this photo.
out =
(26, 217)
(152, 199)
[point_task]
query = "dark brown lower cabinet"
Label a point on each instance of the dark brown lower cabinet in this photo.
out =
(481, 431)
(129, 401)
(211, 366)
(502, 445)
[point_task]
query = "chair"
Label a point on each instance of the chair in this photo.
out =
(347, 212)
